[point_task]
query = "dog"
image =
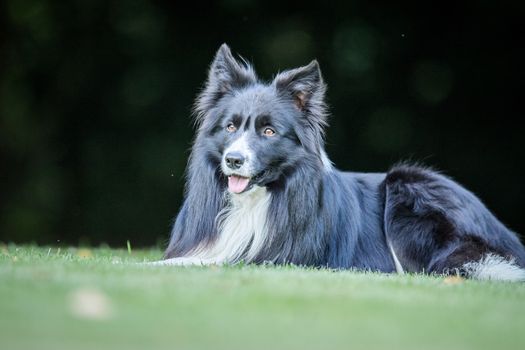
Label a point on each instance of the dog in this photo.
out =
(261, 189)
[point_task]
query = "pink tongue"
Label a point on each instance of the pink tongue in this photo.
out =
(237, 184)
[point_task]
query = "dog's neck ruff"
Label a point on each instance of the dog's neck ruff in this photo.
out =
(242, 226)
(242, 231)
(327, 163)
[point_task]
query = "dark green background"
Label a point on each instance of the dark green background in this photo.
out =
(95, 100)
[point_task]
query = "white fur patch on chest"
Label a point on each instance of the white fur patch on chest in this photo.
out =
(242, 227)
(242, 232)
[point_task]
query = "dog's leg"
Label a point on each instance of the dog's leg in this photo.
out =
(475, 258)
(182, 261)
(436, 226)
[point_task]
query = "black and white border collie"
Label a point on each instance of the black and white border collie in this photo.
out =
(260, 188)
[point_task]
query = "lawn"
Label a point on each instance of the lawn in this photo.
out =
(70, 298)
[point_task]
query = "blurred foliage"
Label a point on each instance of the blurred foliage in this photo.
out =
(95, 100)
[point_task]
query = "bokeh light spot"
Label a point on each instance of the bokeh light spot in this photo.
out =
(432, 81)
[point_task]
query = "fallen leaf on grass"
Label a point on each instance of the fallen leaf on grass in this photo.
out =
(451, 280)
(84, 253)
(89, 303)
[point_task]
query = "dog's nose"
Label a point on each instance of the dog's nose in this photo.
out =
(234, 160)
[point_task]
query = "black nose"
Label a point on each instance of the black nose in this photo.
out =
(234, 160)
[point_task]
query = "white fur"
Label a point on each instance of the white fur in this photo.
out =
(182, 261)
(241, 146)
(242, 222)
(327, 163)
(495, 268)
(242, 227)
(399, 267)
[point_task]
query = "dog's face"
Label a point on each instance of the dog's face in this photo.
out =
(257, 132)
(258, 139)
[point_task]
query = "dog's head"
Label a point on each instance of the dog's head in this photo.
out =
(257, 132)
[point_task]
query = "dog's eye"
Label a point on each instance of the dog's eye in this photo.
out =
(231, 128)
(269, 132)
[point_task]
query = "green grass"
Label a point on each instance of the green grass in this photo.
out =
(241, 307)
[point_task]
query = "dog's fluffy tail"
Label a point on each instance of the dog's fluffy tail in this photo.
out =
(493, 267)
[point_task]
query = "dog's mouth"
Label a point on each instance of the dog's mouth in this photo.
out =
(239, 184)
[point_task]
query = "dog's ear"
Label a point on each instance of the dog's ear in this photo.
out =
(225, 75)
(306, 87)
